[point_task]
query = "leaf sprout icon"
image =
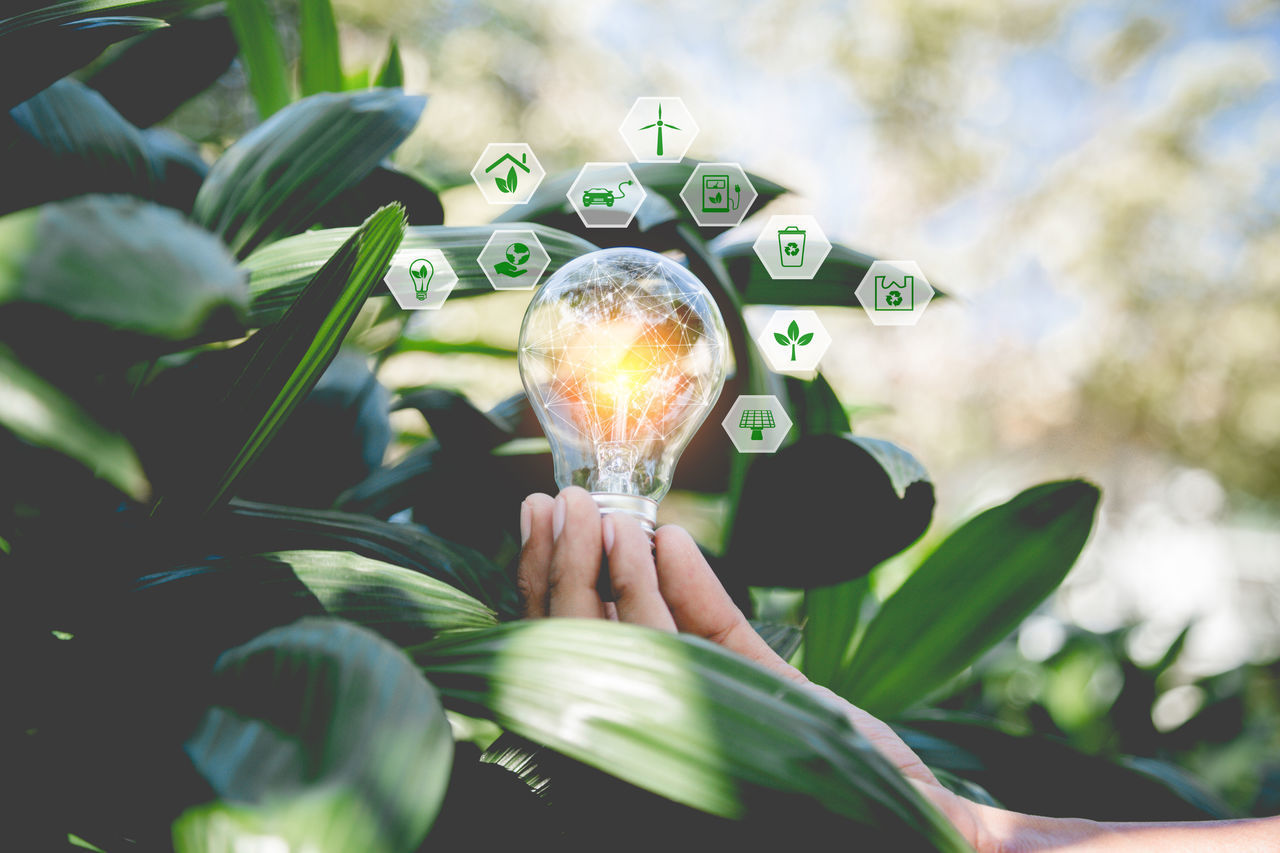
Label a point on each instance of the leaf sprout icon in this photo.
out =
(421, 271)
(793, 338)
(507, 185)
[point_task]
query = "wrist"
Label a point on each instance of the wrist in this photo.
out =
(1004, 831)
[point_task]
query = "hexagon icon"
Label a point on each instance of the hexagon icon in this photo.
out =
(718, 194)
(507, 173)
(658, 130)
(894, 293)
(513, 260)
(792, 246)
(757, 423)
(794, 341)
(420, 278)
(606, 195)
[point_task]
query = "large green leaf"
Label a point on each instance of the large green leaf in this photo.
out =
(846, 503)
(262, 54)
(37, 412)
(46, 53)
(967, 595)
(149, 78)
(73, 10)
(71, 142)
(404, 605)
(278, 271)
(276, 179)
(834, 283)
(120, 264)
(255, 527)
(320, 59)
(283, 363)
(1042, 775)
(392, 73)
(832, 615)
(681, 717)
(322, 736)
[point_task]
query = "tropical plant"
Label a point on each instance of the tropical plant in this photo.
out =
(216, 631)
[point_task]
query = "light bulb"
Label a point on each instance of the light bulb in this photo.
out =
(622, 354)
(421, 272)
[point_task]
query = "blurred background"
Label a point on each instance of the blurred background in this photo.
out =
(1095, 185)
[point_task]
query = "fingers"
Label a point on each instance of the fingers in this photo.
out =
(535, 554)
(632, 574)
(700, 605)
(575, 556)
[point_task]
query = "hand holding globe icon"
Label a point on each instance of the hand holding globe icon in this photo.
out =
(514, 266)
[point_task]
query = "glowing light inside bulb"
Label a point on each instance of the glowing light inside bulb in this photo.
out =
(622, 353)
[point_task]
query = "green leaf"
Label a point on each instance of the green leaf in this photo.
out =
(502, 185)
(278, 271)
(322, 736)
(832, 615)
(511, 180)
(804, 339)
(782, 339)
(121, 264)
(844, 531)
(44, 54)
(678, 716)
(284, 362)
(73, 10)
(277, 178)
(834, 284)
(262, 54)
(903, 468)
(193, 51)
(793, 330)
(257, 527)
(37, 412)
(320, 59)
(967, 595)
(72, 142)
(403, 605)
(391, 75)
(815, 407)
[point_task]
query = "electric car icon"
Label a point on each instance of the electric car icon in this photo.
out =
(601, 195)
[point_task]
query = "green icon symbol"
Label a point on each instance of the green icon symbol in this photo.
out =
(894, 296)
(791, 246)
(514, 266)
(421, 272)
(756, 420)
(659, 124)
(715, 194)
(793, 338)
(600, 195)
(508, 183)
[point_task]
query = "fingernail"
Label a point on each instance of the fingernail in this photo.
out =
(607, 531)
(526, 522)
(557, 517)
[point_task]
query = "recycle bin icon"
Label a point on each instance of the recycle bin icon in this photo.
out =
(791, 246)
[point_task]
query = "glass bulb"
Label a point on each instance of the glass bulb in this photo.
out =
(622, 355)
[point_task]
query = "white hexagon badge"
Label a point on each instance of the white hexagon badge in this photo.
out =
(757, 423)
(794, 341)
(606, 195)
(792, 246)
(513, 260)
(507, 173)
(658, 130)
(894, 293)
(718, 194)
(420, 278)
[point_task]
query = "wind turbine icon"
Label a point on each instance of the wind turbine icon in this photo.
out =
(659, 124)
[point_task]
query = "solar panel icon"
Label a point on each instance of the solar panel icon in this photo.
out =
(756, 420)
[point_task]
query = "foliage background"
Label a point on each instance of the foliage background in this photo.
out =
(1097, 187)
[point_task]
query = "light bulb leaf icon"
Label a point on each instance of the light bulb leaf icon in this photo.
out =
(421, 271)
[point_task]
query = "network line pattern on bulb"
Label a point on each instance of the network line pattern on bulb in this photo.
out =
(622, 354)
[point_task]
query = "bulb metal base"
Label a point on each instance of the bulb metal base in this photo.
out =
(643, 510)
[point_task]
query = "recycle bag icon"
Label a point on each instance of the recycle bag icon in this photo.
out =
(791, 246)
(892, 295)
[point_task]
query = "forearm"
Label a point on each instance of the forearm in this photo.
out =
(1010, 832)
